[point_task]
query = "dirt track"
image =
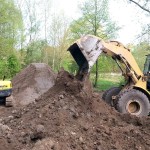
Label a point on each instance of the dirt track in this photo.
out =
(70, 116)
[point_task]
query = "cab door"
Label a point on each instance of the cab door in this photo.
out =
(146, 70)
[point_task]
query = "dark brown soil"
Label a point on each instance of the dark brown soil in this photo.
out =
(31, 82)
(70, 116)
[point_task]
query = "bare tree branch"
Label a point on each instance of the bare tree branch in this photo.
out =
(147, 10)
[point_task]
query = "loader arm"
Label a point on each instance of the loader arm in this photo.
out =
(87, 49)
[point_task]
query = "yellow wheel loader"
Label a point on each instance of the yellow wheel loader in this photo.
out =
(134, 96)
(5, 93)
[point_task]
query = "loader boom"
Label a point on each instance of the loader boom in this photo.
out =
(134, 96)
(87, 49)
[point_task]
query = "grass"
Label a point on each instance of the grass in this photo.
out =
(107, 81)
(105, 84)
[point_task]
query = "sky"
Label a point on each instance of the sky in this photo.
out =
(125, 15)
(129, 17)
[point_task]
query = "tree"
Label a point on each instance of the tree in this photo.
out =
(46, 16)
(34, 51)
(58, 40)
(140, 52)
(13, 65)
(10, 25)
(32, 21)
(143, 4)
(95, 20)
(145, 35)
(3, 67)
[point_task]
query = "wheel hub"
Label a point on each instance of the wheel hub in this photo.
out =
(133, 107)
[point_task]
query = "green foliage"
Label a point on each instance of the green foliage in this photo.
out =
(9, 66)
(34, 52)
(24, 46)
(95, 20)
(104, 84)
(73, 67)
(3, 68)
(140, 51)
(106, 65)
(10, 24)
(108, 80)
(13, 65)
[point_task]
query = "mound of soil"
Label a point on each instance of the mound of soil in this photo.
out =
(70, 116)
(31, 82)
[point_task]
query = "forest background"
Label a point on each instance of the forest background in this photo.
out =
(35, 31)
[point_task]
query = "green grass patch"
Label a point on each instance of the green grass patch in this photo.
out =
(104, 84)
(107, 81)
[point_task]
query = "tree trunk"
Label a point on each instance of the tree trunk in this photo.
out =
(95, 33)
(96, 74)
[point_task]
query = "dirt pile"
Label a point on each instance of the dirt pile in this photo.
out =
(70, 116)
(31, 82)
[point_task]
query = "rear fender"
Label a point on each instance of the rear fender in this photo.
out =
(143, 90)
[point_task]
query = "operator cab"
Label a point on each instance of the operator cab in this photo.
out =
(146, 70)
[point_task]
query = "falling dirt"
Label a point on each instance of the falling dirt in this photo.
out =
(70, 116)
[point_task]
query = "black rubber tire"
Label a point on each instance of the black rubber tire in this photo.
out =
(132, 97)
(107, 96)
(2, 100)
(104, 94)
(9, 101)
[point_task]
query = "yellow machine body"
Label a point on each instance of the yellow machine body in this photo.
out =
(5, 89)
(134, 96)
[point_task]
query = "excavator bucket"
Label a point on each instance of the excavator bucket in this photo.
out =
(85, 52)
